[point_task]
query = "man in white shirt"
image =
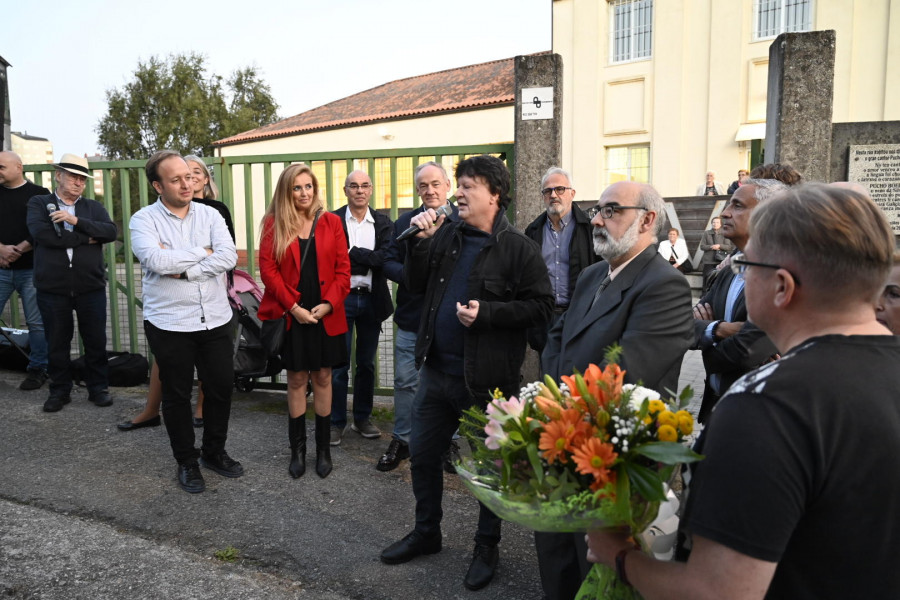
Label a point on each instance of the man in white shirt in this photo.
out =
(185, 251)
(367, 305)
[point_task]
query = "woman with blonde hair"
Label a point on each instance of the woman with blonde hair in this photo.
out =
(305, 267)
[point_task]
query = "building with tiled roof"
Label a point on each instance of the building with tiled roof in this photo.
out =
(462, 106)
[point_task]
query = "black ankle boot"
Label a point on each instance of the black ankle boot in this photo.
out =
(297, 438)
(323, 445)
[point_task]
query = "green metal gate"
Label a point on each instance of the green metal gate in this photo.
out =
(246, 184)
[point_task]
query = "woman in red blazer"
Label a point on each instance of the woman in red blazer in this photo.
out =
(312, 294)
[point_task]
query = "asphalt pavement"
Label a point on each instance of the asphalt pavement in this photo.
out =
(90, 512)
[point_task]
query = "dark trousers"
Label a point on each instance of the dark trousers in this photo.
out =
(59, 327)
(360, 316)
(437, 407)
(177, 353)
(562, 561)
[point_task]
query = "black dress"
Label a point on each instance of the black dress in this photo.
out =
(309, 347)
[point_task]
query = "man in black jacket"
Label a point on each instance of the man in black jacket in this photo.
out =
(731, 344)
(432, 186)
(69, 274)
(367, 305)
(484, 284)
(565, 235)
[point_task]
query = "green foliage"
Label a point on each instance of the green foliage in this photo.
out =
(173, 103)
(227, 554)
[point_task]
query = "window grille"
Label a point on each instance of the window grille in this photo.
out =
(773, 17)
(631, 29)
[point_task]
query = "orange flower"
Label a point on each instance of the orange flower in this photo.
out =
(607, 383)
(550, 408)
(556, 440)
(579, 429)
(594, 458)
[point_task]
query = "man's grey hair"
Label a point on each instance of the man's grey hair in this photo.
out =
(766, 188)
(650, 199)
(557, 171)
(430, 163)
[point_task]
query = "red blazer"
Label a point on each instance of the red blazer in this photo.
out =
(280, 280)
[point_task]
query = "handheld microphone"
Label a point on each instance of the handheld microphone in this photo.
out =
(51, 208)
(446, 210)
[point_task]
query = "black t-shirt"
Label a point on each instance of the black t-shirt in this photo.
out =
(13, 213)
(802, 468)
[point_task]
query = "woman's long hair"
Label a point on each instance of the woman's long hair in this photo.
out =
(285, 217)
(210, 191)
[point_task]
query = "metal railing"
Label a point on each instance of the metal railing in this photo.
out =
(246, 184)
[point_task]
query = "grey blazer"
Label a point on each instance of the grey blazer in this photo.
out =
(646, 309)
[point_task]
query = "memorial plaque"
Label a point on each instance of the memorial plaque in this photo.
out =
(877, 167)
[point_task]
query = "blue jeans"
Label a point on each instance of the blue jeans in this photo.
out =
(360, 315)
(22, 281)
(437, 408)
(90, 308)
(406, 381)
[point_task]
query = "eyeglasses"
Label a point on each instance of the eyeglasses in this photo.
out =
(560, 190)
(739, 265)
(355, 186)
(607, 211)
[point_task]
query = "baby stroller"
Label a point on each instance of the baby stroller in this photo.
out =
(250, 359)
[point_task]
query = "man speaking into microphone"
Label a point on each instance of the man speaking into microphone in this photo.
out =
(69, 232)
(484, 285)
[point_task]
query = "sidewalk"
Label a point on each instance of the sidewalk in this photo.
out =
(89, 512)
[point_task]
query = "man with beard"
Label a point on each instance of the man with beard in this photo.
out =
(633, 298)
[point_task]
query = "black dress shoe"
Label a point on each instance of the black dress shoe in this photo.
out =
(130, 425)
(222, 464)
(396, 452)
(413, 545)
(190, 479)
(56, 401)
(101, 399)
(481, 571)
(198, 421)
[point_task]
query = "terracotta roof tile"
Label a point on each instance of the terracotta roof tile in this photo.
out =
(482, 85)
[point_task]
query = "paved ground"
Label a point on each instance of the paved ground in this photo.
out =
(87, 511)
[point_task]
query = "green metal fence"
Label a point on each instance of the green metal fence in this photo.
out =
(246, 184)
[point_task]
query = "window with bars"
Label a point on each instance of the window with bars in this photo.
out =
(630, 30)
(773, 17)
(628, 163)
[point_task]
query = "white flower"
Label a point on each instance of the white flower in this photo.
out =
(639, 394)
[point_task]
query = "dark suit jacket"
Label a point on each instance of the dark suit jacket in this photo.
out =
(363, 259)
(731, 357)
(646, 309)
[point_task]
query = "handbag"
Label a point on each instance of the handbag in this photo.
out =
(720, 255)
(272, 331)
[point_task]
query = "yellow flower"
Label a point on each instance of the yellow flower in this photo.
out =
(656, 406)
(685, 422)
(667, 433)
(667, 417)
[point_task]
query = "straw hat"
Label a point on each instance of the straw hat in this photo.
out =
(74, 164)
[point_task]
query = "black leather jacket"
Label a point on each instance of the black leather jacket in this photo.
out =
(510, 281)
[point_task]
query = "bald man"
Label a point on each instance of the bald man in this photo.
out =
(17, 261)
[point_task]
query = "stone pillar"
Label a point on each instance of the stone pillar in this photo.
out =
(538, 147)
(799, 104)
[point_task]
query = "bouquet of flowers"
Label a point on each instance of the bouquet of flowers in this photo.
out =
(589, 453)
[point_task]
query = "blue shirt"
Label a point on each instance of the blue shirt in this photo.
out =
(555, 251)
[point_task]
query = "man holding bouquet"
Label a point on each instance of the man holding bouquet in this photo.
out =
(797, 493)
(633, 298)
(484, 285)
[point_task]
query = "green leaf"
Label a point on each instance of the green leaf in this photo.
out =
(645, 482)
(535, 461)
(687, 394)
(623, 492)
(668, 453)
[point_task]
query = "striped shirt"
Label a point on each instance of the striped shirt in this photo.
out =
(166, 244)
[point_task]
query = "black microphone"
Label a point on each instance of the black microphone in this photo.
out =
(51, 208)
(446, 209)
